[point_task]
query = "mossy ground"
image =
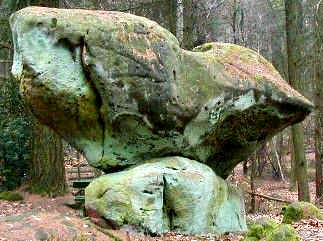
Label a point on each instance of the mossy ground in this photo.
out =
(284, 232)
(11, 196)
(271, 231)
(299, 210)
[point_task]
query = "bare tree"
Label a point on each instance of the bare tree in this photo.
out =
(294, 22)
(318, 63)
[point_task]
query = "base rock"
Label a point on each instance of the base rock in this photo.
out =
(167, 194)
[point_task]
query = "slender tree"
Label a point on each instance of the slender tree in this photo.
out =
(294, 22)
(318, 63)
(179, 21)
(188, 42)
(278, 37)
(253, 175)
(175, 12)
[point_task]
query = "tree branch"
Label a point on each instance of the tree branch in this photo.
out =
(268, 197)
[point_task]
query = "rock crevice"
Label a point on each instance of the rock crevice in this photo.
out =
(98, 100)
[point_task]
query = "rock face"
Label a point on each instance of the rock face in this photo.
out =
(167, 194)
(119, 88)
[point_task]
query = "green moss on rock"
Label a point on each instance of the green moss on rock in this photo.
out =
(300, 210)
(204, 47)
(11, 196)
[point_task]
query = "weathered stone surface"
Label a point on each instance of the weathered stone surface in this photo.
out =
(119, 88)
(167, 194)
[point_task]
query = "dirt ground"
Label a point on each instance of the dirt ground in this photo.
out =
(41, 218)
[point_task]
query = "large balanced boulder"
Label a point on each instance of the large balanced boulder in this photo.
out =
(167, 194)
(119, 88)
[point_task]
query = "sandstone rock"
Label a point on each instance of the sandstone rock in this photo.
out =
(167, 194)
(119, 88)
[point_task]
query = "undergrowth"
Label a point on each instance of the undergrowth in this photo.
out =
(11, 196)
(80, 237)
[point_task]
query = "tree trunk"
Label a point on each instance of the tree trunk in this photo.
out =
(318, 98)
(245, 168)
(275, 156)
(47, 171)
(294, 21)
(179, 21)
(292, 175)
(300, 163)
(188, 41)
(253, 175)
(278, 55)
(171, 13)
(5, 41)
(234, 22)
(282, 149)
